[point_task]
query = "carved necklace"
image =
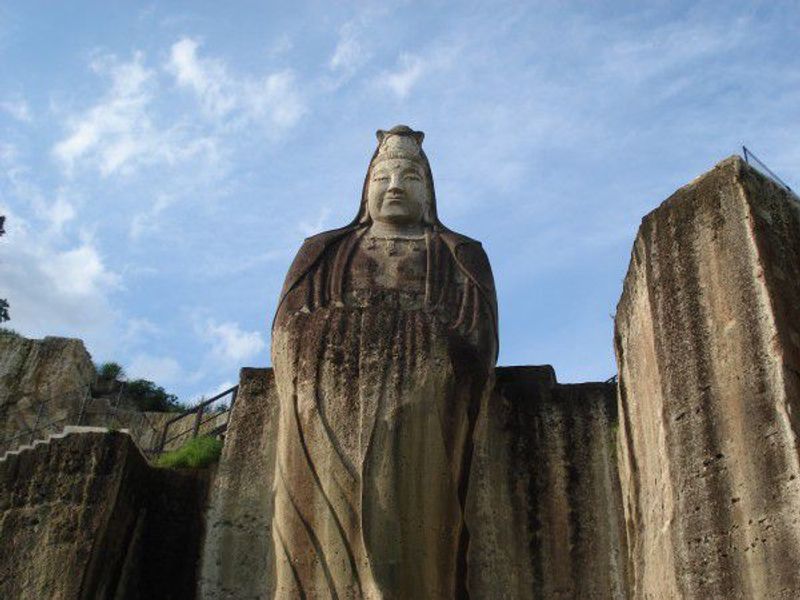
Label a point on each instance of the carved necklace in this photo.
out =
(392, 245)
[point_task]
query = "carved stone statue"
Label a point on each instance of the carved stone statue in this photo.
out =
(383, 348)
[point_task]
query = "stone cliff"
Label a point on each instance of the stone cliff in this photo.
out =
(708, 345)
(49, 376)
(84, 516)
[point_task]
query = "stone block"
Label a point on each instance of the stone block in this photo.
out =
(237, 560)
(708, 350)
(84, 516)
(544, 510)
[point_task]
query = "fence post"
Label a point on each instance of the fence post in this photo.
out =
(163, 441)
(36, 423)
(198, 417)
(86, 397)
(233, 397)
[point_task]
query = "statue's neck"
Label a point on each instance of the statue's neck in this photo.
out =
(383, 229)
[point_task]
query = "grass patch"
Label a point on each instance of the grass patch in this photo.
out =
(194, 454)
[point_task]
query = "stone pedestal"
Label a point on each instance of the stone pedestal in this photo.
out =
(708, 346)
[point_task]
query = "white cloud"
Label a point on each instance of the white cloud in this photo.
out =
(160, 369)
(147, 221)
(58, 213)
(118, 133)
(308, 228)
(137, 330)
(638, 58)
(231, 343)
(282, 45)
(55, 291)
(79, 272)
(18, 109)
(56, 284)
(272, 100)
(207, 78)
(349, 53)
(410, 69)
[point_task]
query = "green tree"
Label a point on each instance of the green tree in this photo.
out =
(151, 397)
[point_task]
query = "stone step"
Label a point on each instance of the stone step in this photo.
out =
(68, 430)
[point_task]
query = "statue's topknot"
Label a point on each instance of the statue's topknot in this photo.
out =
(400, 142)
(400, 130)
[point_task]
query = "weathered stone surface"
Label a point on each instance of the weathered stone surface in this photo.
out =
(708, 350)
(60, 373)
(544, 509)
(383, 346)
(56, 370)
(42, 369)
(84, 516)
(237, 560)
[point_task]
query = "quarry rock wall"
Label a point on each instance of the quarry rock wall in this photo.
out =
(83, 516)
(56, 371)
(31, 370)
(544, 508)
(708, 347)
(237, 559)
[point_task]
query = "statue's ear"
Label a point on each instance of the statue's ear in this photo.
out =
(419, 136)
(380, 134)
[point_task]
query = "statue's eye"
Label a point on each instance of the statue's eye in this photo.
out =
(412, 176)
(380, 178)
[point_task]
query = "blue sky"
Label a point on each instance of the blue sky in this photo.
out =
(160, 164)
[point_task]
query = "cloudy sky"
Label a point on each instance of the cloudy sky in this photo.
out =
(160, 165)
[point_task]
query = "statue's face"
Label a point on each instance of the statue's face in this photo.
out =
(398, 192)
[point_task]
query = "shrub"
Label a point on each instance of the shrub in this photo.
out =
(147, 396)
(194, 454)
(110, 370)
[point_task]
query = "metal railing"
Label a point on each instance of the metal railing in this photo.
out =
(78, 409)
(42, 421)
(196, 414)
(195, 419)
(752, 160)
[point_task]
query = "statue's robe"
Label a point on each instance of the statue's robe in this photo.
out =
(379, 392)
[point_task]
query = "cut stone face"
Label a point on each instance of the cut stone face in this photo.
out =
(709, 379)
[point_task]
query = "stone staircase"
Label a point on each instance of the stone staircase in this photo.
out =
(68, 430)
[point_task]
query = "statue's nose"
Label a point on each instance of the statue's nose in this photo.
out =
(394, 187)
(395, 182)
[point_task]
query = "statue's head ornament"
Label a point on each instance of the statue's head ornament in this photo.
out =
(400, 142)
